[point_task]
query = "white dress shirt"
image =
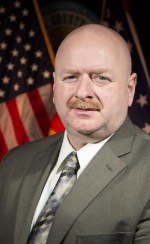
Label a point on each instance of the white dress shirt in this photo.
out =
(85, 154)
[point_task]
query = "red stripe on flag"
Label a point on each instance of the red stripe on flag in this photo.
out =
(39, 111)
(3, 146)
(19, 130)
(56, 124)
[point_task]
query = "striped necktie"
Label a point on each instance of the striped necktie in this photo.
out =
(65, 182)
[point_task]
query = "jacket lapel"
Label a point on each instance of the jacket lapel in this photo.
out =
(104, 167)
(31, 188)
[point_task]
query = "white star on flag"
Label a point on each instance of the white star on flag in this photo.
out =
(142, 100)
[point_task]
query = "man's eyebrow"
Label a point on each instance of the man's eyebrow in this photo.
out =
(69, 70)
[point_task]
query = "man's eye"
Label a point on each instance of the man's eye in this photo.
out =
(70, 78)
(100, 80)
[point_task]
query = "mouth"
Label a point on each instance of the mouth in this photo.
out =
(86, 109)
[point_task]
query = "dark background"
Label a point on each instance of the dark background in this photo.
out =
(140, 14)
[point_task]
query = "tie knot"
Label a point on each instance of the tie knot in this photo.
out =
(71, 162)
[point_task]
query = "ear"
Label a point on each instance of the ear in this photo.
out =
(54, 76)
(53, 85)
(53, 79)
(131, 87)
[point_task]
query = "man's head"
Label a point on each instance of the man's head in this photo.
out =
(93, 84)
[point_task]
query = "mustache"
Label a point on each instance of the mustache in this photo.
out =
(84, 105)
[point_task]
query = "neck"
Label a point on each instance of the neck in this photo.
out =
(80, 140)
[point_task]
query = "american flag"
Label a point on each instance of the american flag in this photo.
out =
(117, 16)
(26, 107)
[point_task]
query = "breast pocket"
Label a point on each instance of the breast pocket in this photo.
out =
(117, 238)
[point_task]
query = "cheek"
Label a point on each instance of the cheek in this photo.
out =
(57, 90)
(114, 96)
(61, 95)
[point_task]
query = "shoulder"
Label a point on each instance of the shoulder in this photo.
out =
(33, 148)
(141, 133)
(142, 142)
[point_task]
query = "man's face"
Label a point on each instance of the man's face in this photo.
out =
(92, 89)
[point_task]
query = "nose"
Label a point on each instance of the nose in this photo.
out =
(84, 88)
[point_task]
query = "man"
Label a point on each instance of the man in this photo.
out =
(110, 200)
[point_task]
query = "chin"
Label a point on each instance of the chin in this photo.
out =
(85, 131)
(82, 128)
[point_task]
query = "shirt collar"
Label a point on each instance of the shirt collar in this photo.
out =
(85, 154)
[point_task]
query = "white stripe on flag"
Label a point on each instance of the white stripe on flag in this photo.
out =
(26, 114)
(6, 126)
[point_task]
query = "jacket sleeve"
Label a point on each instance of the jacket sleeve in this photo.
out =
(142, 235)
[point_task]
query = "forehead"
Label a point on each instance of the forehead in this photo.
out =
(87, 57)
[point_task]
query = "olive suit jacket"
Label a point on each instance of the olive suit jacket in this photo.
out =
(109, 203)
